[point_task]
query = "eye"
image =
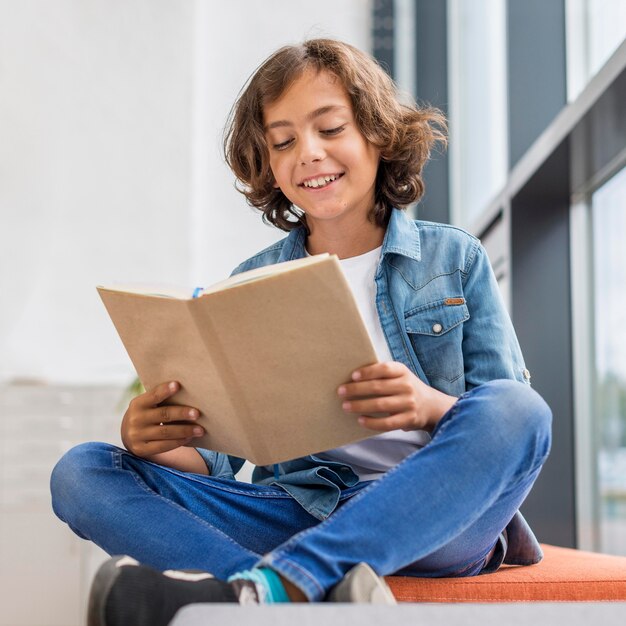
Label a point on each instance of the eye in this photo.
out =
(333, 131)
(282, 145)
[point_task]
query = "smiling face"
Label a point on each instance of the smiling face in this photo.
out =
(318, 156)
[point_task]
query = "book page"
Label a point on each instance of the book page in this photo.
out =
(156, 291)
(263, 272)
(188, 293)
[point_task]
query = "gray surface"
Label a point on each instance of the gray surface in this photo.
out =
(512, 614)
(540, 263)
(382, 33)
(536, 69)
(431, 46)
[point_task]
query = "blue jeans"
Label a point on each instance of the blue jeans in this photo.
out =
(437, 513)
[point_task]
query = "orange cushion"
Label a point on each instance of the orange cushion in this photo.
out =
(564, 575)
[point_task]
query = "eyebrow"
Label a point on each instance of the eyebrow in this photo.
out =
(310, 116)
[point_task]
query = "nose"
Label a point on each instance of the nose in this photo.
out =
(310, 148)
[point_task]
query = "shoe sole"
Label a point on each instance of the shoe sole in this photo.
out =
(100, 588)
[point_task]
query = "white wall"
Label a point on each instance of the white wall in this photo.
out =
(111, 114)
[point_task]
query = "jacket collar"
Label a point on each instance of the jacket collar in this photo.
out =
(401, 237)
(294, 246)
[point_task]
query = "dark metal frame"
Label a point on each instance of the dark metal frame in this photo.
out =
(556, 151)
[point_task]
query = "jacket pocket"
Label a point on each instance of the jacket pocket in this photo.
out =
(436, 334)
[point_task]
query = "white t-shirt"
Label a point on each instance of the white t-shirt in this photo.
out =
(374, 456)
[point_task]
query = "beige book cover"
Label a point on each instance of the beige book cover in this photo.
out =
(260, 355)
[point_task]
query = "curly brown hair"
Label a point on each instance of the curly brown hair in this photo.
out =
(405, 134)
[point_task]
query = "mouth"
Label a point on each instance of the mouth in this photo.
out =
(319, 182)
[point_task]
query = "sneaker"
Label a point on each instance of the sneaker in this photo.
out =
(362, 585)
(125, 593)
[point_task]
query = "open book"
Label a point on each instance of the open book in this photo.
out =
(260, 355)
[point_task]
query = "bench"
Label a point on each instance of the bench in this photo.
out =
(564, 575)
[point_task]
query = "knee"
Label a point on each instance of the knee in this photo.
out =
(517, 417)
(70, 478)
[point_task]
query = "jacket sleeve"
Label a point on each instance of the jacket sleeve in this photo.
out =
(221, 465)
(490, 347)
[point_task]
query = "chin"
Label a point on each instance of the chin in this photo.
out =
(326, 213)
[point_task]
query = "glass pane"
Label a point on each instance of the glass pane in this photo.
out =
(609, 230)
(477, 55)
(607, 29)
(595, 29)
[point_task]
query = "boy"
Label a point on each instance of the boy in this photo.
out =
(320, 144)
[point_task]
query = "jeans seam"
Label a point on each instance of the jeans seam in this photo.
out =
(446, 379)
(116, 455)
(328, 521)
(523, 474)
(304, 576)
(150, 491)
(460, 573)
(216, 483)
(297, 537)
(314, 511)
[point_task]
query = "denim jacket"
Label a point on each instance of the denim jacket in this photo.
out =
(442, 314)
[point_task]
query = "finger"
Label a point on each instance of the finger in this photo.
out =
(385, 424)
(157, 395)
(150, 448)
(375, 387)
(382, 404)
(168, 432)
(167, 414)
(388, 369)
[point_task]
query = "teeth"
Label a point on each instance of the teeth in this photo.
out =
(320, 182)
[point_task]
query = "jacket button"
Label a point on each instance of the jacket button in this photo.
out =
(437, 328)
(526, 374)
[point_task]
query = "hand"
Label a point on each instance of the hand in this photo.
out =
(149, 429)
(393, 389)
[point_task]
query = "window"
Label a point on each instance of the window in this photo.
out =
(595, 29)
(609, 420)
(478, 120)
